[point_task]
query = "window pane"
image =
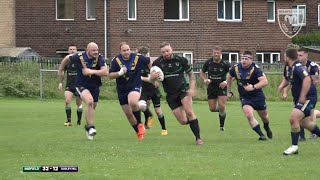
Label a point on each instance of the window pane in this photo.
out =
(234, 58)
(91, 9)
(228, 9)
(267, 58)
(188, 56)
(275, 58)
(225, 56)
(237, 10)
(220, 10)
(171, 9)
(259, 57)
(302, 17)
(65, 9)
(185, 9)
(132, 9)
(270, 11)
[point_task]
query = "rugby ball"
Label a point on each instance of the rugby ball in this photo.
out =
(158, 70)
(142, 105)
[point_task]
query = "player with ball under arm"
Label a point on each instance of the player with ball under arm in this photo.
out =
(179, 95)
(126, 69)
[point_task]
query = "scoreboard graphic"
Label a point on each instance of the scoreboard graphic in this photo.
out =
(50, 168)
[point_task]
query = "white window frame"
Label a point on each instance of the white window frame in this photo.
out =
(180, 13)
(135, 11)
(57, 14)
(90, 19)
(184, 53)
(318, 14)
(233, 12)
(271, 56)
(305, 15)
(230, 54)
(274, 11)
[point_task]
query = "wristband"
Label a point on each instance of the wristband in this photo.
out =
(254, 87)
(121, 72)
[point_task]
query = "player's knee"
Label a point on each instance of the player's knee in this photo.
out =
(90, 103)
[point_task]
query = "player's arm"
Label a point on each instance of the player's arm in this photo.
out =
(61, 70)
(192, 83)
(115, 71)
(229, 84)
(263, 82)
(306, 84)
(316, 76)
(103, 71)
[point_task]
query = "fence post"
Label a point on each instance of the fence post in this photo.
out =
(41, 84)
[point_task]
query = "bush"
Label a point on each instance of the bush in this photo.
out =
(307, 39)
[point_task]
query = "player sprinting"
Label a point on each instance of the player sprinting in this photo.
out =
(151, 92)
(250, 81)
(179, 95)
(70, 89)
(90, 67)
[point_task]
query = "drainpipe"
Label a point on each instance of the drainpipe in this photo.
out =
(105, 29)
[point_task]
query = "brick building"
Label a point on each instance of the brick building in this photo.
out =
(193, 27)
(7, 24)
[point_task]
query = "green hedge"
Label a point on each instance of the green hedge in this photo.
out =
(307, 39)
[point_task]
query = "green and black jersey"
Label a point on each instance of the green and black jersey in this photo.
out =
(173, 70)
(71, 71)
(217, 72)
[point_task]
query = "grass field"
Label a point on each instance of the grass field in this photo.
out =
(32, 133)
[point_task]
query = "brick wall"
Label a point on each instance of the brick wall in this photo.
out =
(311, 15)
(38, 28)
(7, 24)
(44, 34)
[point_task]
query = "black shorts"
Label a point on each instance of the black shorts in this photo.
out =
(151, 94)
(93, 91)
(174, 100)
(214, 92)
(73, 90)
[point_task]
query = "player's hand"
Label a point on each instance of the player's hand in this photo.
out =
(302, 99)
(154, 75)
(87, 71)
(223, 84)
(122, 71)
(156, 84)
(284, 96)
(60, 87)
(207, 82)
(230, 94)
(249, 87)
(191, 92)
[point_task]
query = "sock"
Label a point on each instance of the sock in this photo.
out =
(302, 134)
(257, 129)
(162, 122)
(316, 131)
(222, 117)
(295, 138)
(137, 115)
(68, 112)
(147, 113)
(266, 126)
(88, 127)
(194, 125)
(135, 127)
(79, 113)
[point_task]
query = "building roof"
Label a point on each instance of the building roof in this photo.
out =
(18, 52)
(313, 48)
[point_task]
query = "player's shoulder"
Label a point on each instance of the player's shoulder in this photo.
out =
(225, 62)
(256, 66)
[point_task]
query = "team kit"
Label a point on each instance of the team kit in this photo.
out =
(138, 79)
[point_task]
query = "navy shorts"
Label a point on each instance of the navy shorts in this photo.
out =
(307, 107)
(73, 90)
(256, 104)
(93, 91)
(123, 96)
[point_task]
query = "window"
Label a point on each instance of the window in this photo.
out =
(229, 10)
(301, 15)
(176, 10)
(268, 57)
(232, 57)
(271, 10)
(318, 15)
(91, 9)
(132, 10)
(187, 55)
(64, 9)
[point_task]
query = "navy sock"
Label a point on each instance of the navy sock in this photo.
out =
(294, 138)
(257, 129)
(194, 125)
(222, 118)
(135, 127)
(316, 131)
(302, 134)
(266, 126)
(79, 113)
